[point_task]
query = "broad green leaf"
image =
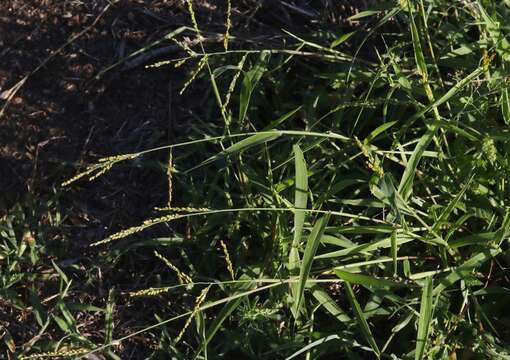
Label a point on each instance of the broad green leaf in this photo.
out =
(363, 229)
(424, 319)
(311, 247)
(389, 194)
(495, 290)
(8, 340)
(62, 324)
(361, 320)
(251, 141)
(366, 280)
(455, 89)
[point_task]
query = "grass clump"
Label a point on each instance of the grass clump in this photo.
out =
(347, 195)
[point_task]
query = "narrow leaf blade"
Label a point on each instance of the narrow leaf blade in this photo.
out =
(312, 244)
(424, 320)
(361, 320)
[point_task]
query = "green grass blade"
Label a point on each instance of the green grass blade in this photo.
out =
(394, 252)
(475, 239)
(366, 280)
(312, 345)
(366, 248)
(463, 270)
(110, 307)
(250, 80)
(379, 130)
(240, 146)
(424, 319)
(502, 232)
(300, 202)
(329, 304)
(451, 206)
(224, 313)
(418, 51)
(406, 183)
(282, 119)
(505, 106)
(361, 320)
(312, 244)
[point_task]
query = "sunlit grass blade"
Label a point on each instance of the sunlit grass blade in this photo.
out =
(505, 106)
(379, 130)
(240, 146)
(329, 304)
(312, 345)
(361, 320)
(366, 280)
(394, 252)
(424, 319)
(312, 244)
(418, 51)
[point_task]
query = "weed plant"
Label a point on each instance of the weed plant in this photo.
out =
(343, 196)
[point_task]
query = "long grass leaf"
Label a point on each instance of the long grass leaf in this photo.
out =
(312, 244)
(225, 312)
(505, 106)
(418, 51)
(366, 280)
(110, 307)
(361, 320)
(464, 270)
(300, 202)
(240, 146)
(424, 319)
(250, 80)
(329, 304)
(394, 252)
(406, 182)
